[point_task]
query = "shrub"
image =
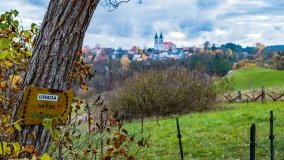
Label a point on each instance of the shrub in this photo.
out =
(172, 91)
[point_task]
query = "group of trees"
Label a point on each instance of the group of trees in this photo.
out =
(111, 72)
(213, 60)
(277, 61)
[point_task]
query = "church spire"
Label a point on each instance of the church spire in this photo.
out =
(156, 39)
(161, 38)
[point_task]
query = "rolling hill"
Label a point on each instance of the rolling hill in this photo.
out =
(254, 78)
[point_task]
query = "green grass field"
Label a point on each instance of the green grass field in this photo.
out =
(220, 134)
(254, 78)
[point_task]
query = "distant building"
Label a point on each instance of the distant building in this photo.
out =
(160, 45)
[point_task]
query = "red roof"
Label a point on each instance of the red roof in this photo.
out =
(168, 43)
(134, 48)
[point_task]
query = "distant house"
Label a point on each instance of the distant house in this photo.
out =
(169, 46)
(134, 50)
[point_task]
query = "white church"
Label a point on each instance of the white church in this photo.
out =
(160, 45)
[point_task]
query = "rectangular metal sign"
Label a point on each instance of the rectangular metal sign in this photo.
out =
(46, 97)
(39, 103)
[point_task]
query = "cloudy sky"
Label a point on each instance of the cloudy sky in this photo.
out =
(184, 22)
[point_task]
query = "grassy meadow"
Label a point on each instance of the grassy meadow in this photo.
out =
(219, 134)
(254, 78)
(222, 133)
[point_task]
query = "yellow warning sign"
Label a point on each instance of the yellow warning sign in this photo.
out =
(40, 103)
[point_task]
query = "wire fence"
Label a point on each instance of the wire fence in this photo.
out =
(252, 96)
(260, 148)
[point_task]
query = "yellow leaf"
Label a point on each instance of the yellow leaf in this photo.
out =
(18, 127)
(8, 150)
(45, 157)
(10, 130)
(4, 144)
(5, 54)
(26, 34)
(55, 134)
(15, 80)
(29, 53)
(8, 64)
(34, 157)
(47, 123)
(3, 84)
(17, 148)
(4, 119)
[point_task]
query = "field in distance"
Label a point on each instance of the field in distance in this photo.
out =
(255, 78)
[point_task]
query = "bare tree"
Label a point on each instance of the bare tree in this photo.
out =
(56, 48)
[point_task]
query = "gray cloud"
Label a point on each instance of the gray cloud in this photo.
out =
(185, 22)
(195, 27)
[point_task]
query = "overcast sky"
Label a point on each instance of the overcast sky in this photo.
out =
(183, 22)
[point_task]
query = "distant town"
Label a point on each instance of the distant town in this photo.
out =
(166, 50)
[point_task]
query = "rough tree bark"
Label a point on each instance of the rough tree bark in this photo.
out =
(56, 48)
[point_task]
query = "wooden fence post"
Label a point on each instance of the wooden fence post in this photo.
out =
(179, 140)
(262, 94)
(271, 136)
(252, 142)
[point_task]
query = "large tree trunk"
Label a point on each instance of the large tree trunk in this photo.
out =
(56, 48)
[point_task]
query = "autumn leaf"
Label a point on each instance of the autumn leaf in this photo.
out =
(106, 158)
(4, 144)
(78, 107)
(84, 86)
(47, 123)
(110, 150)
(10, 130)
(29, 53)
(7, 150)
(34, 157)
(125, 131)
(2, 84)
(5, 54)
(94, 150)
(45, 157)
(30, 149)
(17, 127)
(87, 151)
(17, 148)
(8, 64)
(130, 158)
(15, 80)
(55, 134)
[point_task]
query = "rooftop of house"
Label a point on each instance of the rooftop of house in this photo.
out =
(168, 43)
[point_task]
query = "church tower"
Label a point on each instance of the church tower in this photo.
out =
(156, 39)
(161, 41)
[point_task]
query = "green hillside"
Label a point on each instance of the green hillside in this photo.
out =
(251, 78)
(222, 134)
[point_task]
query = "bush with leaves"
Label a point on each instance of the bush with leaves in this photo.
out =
(172, 91)
(103, 138)
(15, 51)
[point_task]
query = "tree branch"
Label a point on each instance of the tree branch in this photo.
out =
(111, 5)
